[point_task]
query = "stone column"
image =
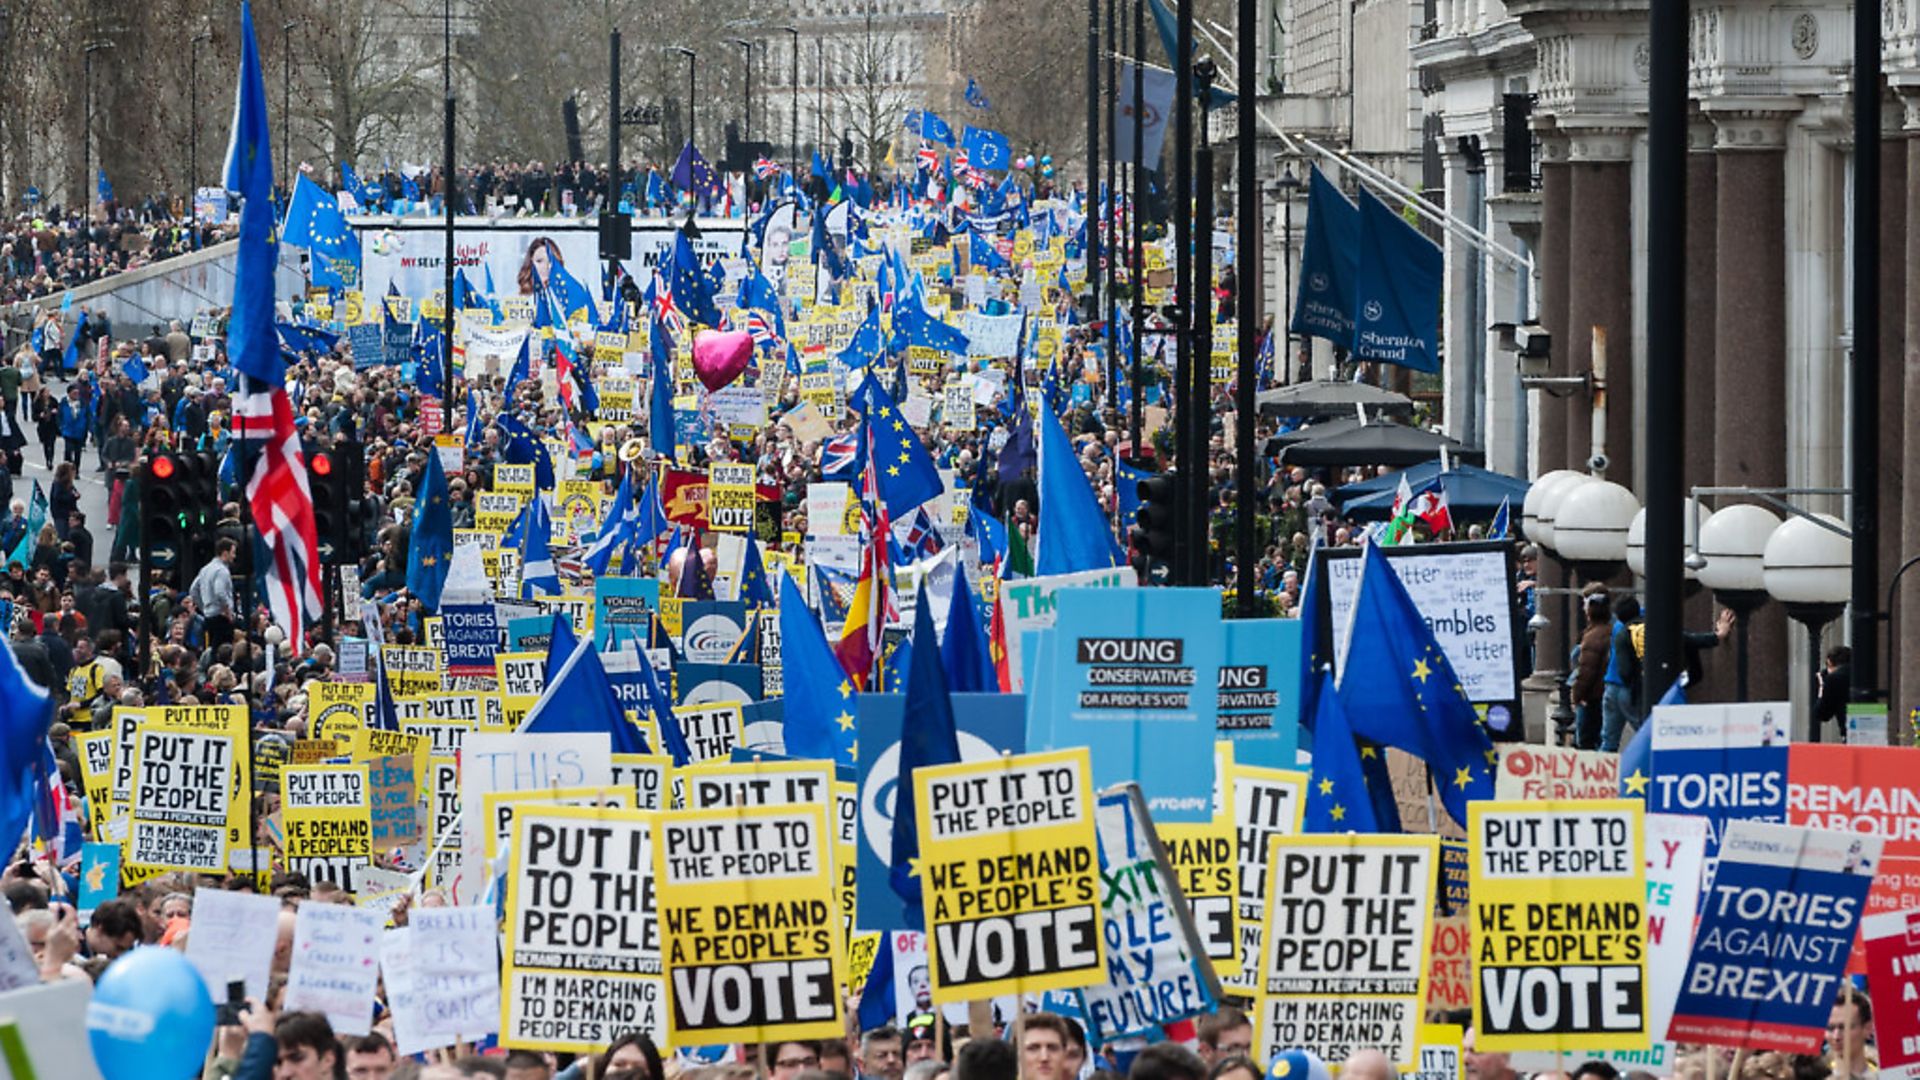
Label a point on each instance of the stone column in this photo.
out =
(1556, 215)
(1895, 174)
(1600, 290)
(1717, 681)
(1750, 362)
(1460, 329)
(1906, 611)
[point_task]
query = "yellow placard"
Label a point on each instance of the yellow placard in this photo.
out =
(752, 939)
(1349, 925)
(500, 807)
(517, 479)
(1264, 803)
(648, 776)
(328, 821)
(190, 788)
(1202, 857)
(335, 710)
(96, 768)
(1559, 894)
(1005, 839)
(582, 950)
(730, 497)
(411, 669)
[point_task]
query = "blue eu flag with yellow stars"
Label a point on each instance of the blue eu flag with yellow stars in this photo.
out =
(819, 714)
(1337, 796)
(692, 286)
(902, 467)
(430, 552)
(1400, 691)
(755, 590)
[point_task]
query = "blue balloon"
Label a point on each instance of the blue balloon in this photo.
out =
(1297, 1064)
(151, 1016)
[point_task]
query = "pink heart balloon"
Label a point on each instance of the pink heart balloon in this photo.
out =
(719, 356)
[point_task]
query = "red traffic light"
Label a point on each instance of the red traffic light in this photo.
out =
(162, 468)
(322, 464)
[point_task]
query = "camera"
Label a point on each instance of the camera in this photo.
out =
(227, 1013)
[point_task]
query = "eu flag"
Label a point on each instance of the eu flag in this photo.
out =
(865, 347)
(520, 447)
(693, 175)
(1636, 758)
(251, 344)
(26, 713)
(1399, 690)
(430, 551)
(927, 737)
(977, 97)
(986, 149)
(1126, 483)
(1337, 796)
(819, 711)
(692, 286)
(1074, 532)
(755, 589)
(314, 222)
(902, 467)
(964, 649)
(912, 325)
(927, 124)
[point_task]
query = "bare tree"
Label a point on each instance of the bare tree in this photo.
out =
(868, 91)
(361, 79)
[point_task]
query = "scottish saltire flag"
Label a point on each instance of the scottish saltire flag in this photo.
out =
(580, 698)
(537, 573)
(621, 518)
(977, 97)
(263, 414)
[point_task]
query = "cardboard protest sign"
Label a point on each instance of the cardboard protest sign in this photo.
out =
(752, 938)
(1529, 771)
(1465, 595)
(1559, 915)
(712, 730)
(1892, 940)
(521, 761)
(335, 969)
(1265, 803)
(761, 783)
(1133, 675)
(521, 672)
(190, 788)
(501, 807)
(1202, 857)
(445, 833)
(328, 820)
(1441, 1057)
(442, 976)
(1157, 969)
(411, 669)
(1009, 868)
(1450, 964)
(233, 939)
(1345, 959)
(336, 709)
(647, 776)
(1775, 930)
(96, 769)
(583, 936)
(1864, 789)
(1722, 762)
(472, 637)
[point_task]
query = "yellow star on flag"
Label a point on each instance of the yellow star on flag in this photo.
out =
(1637, 783)
(1463, 777)
(1421, 671)
(1368, 751)
(893, 470)
(1338, 813)
(846, 721)
(846, 688)
(898, 425)
(1326, 786)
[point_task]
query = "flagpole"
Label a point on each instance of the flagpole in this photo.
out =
(1246, 311)
(1136, 278)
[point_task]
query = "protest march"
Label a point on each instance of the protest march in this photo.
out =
(743, 642)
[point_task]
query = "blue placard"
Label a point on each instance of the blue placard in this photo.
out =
(702, 684)
(99, 877)
(710, 630)
(623, 610)
(471, 633)
(530, 633)
(1133, 675)
(1721, 762)
(1775, 931)
(988, 725)
(1259, 697)
(369, 341)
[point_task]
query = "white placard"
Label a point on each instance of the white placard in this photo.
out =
(233, 938)
(1466, 597)
(336, 953)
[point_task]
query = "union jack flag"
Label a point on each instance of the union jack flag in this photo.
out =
(763, 168)
(762, 330)
(840, 456)
(928, 157)
(664, 308)
(276, 470)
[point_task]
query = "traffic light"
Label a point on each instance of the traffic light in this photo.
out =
(164, 519)
(1152, 536)
(199, 478)
(335, 478)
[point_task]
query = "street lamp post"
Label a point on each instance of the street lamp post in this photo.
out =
(746, 127)
(692, 62)
(793, 118)
(1734, 544)
(1807, 567)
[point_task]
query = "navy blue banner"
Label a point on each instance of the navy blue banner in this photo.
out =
(1396, 291)
(1323, 302)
